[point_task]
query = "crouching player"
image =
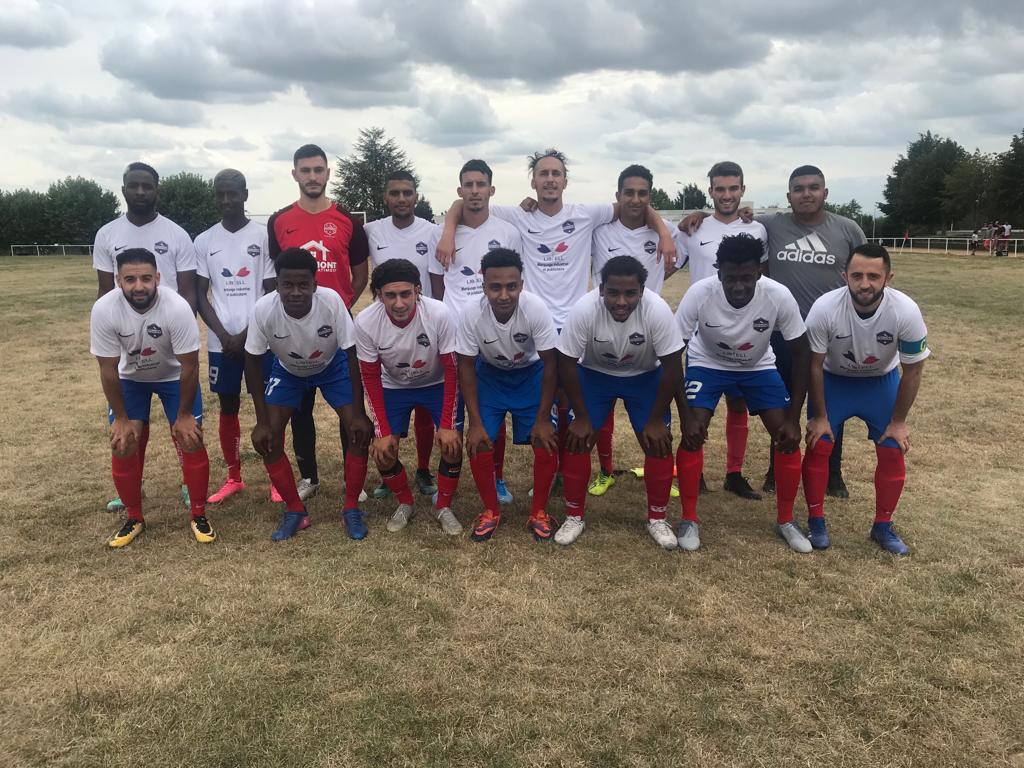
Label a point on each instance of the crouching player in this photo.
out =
(406, 345)
(727, 321)
(312, 337)
(508, 364)
(859, 336)
(630, 348)
(146, 341)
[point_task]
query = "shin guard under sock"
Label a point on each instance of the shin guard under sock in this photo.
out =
(398, 483)
(127, 474)
(545, 464)
(815, 474)
(890, 475)
(355, 479)
(735, 440)
(576, 476)
(499, 452)
(230, 444)
(605, 438)
(658, 480)
(283, 479)
(447, 483)
(482, 466)
(690, 465)
(423, 426)
(787, 482)
(196, 467)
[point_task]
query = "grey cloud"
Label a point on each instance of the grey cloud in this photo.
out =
(30, 24)
(116, 137)
(282, 146)
(52, 107)
(233, 144)
(455, 118)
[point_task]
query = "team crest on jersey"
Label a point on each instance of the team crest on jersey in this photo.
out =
(154, 331)
(884, 338)
(519, 338)
(423, 340)
(253, 250)
(330, 228)
(761, 325)
(636, 339)
(421, 248)
(160, 247)
(492, 244)
(324, 331)
(569, 227)
(650, 247)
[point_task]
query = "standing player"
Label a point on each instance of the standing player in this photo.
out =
(460, 286)
(859, 337)
(337, 241)
(508, 364)
(406, 345)
(146, 342)
(630, 349)
(629, 235)
(727, 322)
(310, 332)
(404, 235)
(232, 262)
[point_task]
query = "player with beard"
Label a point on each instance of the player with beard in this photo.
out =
(403, 235)
(310, 332)
(338, 242)
(727, 321)
(860, 335)
(146, 342)
(233, 264)
(142, 227)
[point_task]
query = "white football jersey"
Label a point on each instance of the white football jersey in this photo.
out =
(236, 263)
(700, 250)
(148, 342)
(729, 339)
(867, 346)
(306, 345)
(162, 237)
(556, 251)
(513, 344)
(410, 356)
(615, 239)
(620, 349)
(463, 281)
(417, 243)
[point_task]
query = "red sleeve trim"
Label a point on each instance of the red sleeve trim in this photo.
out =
(451, 391)
(374, 389)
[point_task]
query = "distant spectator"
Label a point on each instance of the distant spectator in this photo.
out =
(973, 245)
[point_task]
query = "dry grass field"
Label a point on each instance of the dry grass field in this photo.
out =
(413, 649)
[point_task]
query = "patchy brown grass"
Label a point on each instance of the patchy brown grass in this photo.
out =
(416, 650)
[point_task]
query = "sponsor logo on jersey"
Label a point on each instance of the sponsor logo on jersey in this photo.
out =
(636, 339)
(154, 331)
(421, 248)
(148, 352)
(741, 348)
(160, 247)
(569, 226)
(423, 340)
(761, 325)
(330, 228)
(243, 272)
(560, 248)
(703, 243)
(650, 246)
(401, 365)
(468, 271)
(807, 250)
(419, 363)
(492, 244)
(869, 360)
(519, 338)
(884, 338)
(296, 356)
(324, 331)
(316, 353)
(612, 360)
(254, 250)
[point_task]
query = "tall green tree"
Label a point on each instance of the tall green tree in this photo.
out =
(967, 200)
(914, 189)
(1008, 183)
(660, 201)
(76, 208)
(23, 219)
(424, 209)
(187, 200)
(691, 197)
(359, 184)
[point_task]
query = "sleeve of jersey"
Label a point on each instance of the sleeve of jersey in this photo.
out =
(446, 340)
(817, 329)
(573, 341)
(451, 391)
(186, 256)
(185, 332)
(544, 335)
(359, 245)
(789, 323)
(466, 342)
(913, 337)
(102, 338)
(374, 389)
(686, 315)
(256, 340)
(509, 213)
(601, 213)
(202, 266)
(762, 235)
(273, 247)
(667, 338)
(100, 254)
(268, 263)
(346, 326)
(682, 254)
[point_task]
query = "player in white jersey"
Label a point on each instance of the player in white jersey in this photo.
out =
(406, 346)
(700, 249)
(233, 265)
(860, 335)
(403, 235)
(508, 365)
(146, 341)
(630, 349)
(460, 286)
(311, 334)
(629, 235)
(727, 321)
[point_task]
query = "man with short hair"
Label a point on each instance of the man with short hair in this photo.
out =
(460, 286)
(338, 242)
(727, 322)
(406, 344)
(508, 365)
(310, 332)
(403, 235)
(233, 264)
(146, 342)
(620, 341)
(859, 337)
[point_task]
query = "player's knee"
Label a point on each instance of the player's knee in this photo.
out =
(230, 404)
(446, 468)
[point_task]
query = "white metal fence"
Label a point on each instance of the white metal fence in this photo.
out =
(1013, 246)
(51, 249)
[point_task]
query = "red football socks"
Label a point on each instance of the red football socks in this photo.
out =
(423, 427)
(127, 473)
(576, 474)
(195, 465)
(482, 466)
(658, 480)
(545, 465)
(787, 482)
(230, 445)
(447, 483)
(690, 466)
(143, 442)
(563, 429)
(499, 452)
(735, 440)
(890, 475)
(815, 474)
(355, 479)
(283, 478)
(398, 483)
(604, 444)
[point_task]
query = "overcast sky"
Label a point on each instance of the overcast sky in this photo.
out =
(90, 85)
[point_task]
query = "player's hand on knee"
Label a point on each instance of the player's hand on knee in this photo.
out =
(543, 436)
(477, 441)
(580, 436)
(261, 439)
(188, 432)
(360, 430)
(898, 431)
(450, 443)
(787, 438)
(123, 438)
(656, 439)
(384, 450)
(817, 428)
